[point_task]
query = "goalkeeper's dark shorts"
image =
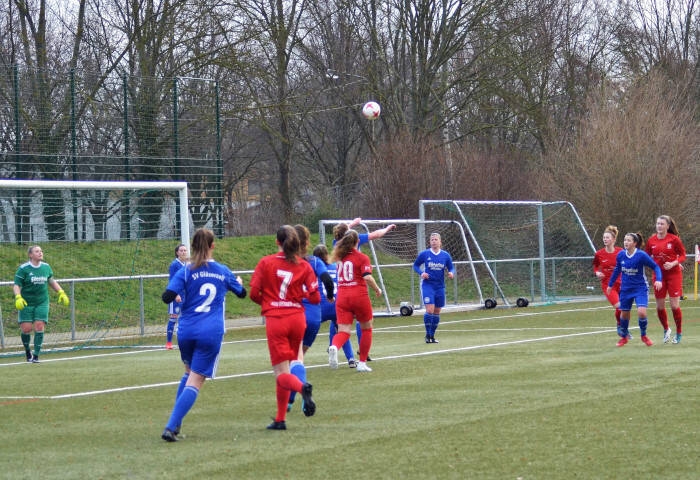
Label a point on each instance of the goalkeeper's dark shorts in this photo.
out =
(32, 313)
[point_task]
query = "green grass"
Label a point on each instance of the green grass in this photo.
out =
(536, 393)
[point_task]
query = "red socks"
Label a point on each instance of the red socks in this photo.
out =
(365, 344)
(286, 382)
(663, 317)
(678, 318)
(340, 338)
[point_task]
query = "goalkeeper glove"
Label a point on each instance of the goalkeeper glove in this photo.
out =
(20, 302)
(63, 298)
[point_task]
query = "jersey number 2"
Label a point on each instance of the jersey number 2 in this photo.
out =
(208, 290)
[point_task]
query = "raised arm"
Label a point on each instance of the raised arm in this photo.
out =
(379, 233)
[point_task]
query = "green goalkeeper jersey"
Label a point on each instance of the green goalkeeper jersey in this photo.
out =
(34, 282)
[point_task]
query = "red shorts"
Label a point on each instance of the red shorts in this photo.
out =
(614, 295)
(284, 335)
(347, 308)
(671, 284)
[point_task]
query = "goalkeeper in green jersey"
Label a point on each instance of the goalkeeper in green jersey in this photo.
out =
(31, 289)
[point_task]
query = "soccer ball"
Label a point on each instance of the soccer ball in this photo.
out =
(371, 110)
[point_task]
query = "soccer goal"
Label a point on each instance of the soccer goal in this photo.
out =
(505, 253)
(75, 222)
(393, 255)
(539, 250)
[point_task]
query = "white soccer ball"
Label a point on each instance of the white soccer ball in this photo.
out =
(371, 110)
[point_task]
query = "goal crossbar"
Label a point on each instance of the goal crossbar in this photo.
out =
(180, 187)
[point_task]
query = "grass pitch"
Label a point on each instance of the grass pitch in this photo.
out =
(535, 393)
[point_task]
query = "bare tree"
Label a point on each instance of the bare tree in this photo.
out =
(635, 157)
(273, 80)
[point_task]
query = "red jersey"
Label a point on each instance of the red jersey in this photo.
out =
(667, 249)
(604, 262)
(351, 271)
(279, 284)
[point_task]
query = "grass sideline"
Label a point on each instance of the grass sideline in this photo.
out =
(536, 393)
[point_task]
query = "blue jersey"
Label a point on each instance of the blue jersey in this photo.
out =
(632, 269)
(364, 238)
(319, 269)
(175, 267)
(327, 307)
(434, 264)
(204, 291)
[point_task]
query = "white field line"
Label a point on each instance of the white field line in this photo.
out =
(597, 331)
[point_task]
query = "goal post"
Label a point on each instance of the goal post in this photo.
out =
(393, 254)
(505, 253)
(74, 222)
(102, 186)
(514, 240)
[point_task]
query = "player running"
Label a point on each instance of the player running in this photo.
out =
(630, 263)
(667, 250)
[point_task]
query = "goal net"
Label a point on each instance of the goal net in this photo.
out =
(538, 250)
(393, 255)
(75, 223)
(503, 252)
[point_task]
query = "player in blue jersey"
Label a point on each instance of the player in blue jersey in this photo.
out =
(312, 311)
(630, 264)
(328, 307)
(202, 284)
(431, 265)
(174, 306)
(339, 231)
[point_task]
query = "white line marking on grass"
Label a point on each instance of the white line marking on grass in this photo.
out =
(390, 357)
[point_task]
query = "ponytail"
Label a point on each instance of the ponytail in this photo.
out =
(288, 239)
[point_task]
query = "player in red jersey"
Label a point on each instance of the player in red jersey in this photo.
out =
(603, 266)
(352, 300)
(277, 285)
(667, 250)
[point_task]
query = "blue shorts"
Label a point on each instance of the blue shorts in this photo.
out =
(327, 311)
(313, 323)
(432, 296)
(201, 355)
(641, 298)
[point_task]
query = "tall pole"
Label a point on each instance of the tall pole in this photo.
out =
(219, 165)
(19, 219)
(126, 208)
(74, 153)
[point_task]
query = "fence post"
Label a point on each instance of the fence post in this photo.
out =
(141, 307)
(72, 310)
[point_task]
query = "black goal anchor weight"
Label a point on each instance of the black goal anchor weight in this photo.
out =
(490, 303)
(522, 302)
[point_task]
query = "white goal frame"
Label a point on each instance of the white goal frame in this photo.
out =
(180, 187)
(538, 206)
(182, 202)
(412, 298)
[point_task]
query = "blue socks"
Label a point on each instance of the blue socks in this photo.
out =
(431, 322)
(183, 382)
(642, 326)
(435, 322)
(624, 327)
(298, 370)
(170, 330)
(183, 404)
